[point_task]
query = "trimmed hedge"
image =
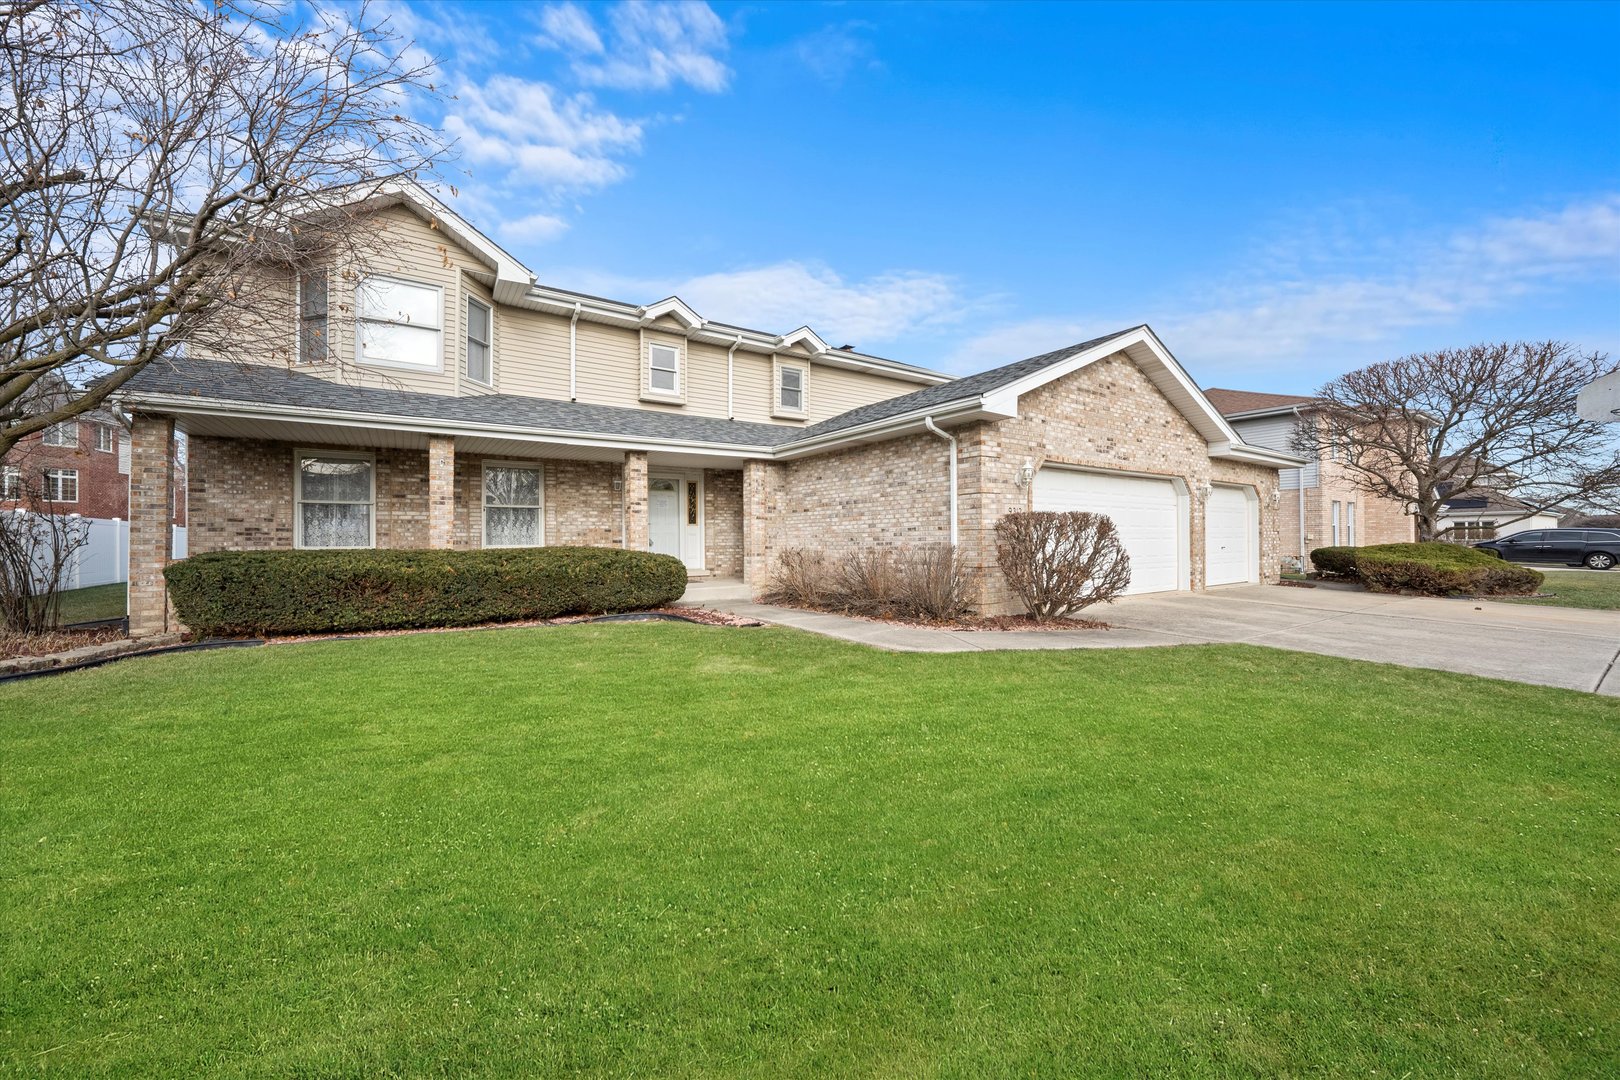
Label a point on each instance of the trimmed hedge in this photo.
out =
(312, 592)
(1432, 569)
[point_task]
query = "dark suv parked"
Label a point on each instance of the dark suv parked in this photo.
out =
(1596, 548)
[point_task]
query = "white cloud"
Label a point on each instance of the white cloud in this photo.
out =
(536, 228)
(779, 297)
(1305, 297)
(566, 26)
(653, 46)
(833, 52)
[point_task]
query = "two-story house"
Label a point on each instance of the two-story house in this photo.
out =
(1321, 506)
(464, 404)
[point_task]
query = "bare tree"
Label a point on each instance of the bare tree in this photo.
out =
(163, 162)
(1457, 422)
(1060, 562)
(40, 539)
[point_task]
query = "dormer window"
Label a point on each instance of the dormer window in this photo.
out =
(664, 369)
(792, 391)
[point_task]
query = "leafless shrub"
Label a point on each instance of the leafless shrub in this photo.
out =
(928, 582)
(1058, 563)
(37, 547)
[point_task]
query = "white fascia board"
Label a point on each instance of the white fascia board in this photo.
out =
(1270, 410)
(807, 336)
(672, 305)
(512, 278)
(893, 369)
(1256, 455)
(963, 410)
(167, 403)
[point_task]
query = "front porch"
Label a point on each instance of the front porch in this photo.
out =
(252, 487)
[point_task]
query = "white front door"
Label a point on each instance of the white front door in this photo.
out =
(1145, 510)
(664, 515)
(1231, 536)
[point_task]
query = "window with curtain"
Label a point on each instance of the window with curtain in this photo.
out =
(335, 501)
(511, 506)
(399, 323)
(664, 369)
(312, 317)
(479, 322)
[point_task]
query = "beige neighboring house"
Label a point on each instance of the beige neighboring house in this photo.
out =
(480, 408)
(1321, 506)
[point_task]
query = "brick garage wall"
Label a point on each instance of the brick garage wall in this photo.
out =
(723, 521)
(889, 494)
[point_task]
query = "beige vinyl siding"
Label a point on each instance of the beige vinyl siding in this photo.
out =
(609, 365)
(835, 390)
(532, 354)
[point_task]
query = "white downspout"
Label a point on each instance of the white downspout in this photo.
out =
(928, 422)
(1302, 552)
(731, 354)
(573, 355)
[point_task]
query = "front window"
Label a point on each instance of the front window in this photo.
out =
(335, 497)
(64, 434)
(478, 339)
(1350, 523)
(399, 323)
(664, 369)
(10, 482)
(790, 389)
(511, 506)
(312, 317)
(1336, 524)
(106, 439)
(62, 485)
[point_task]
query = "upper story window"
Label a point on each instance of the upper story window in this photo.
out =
(64, 434)
(312, 317)
(399, 324)
(790, 390)
(62, 485)
(480, 321)
(10, 482)
(106, 438)
(663, 369)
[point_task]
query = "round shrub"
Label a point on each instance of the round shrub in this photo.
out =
(312, 592)
(1436, 569)
(1336, 561)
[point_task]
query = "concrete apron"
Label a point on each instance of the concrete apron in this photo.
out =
(1548, 646)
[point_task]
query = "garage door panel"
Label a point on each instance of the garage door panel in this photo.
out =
(1230, 536)
(1146, 512)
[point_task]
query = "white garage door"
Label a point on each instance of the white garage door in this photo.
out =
(1145, 511)
(1230, 537)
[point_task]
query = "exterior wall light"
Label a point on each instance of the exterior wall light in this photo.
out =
(1026, 474)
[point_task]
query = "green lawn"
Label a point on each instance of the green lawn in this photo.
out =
(653, 850)
(1582, 589)
(96, 602)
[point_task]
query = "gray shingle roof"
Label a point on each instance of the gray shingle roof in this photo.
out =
(264, 385)
(969, 386)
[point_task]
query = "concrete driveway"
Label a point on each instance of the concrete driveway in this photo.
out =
(1552, 646)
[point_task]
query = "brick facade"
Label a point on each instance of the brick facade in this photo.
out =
(441, 491)
(723, 521)
(151, 488)
(1378, 520)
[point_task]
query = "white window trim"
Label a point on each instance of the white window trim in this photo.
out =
(1333, 522)
(112, 439)
(74, 473)
(648, 392)
(10, 475)
(1350, 524)
(360, 321)
(300, 359)
(777, 408)
(298, 494)
(483, 505)
(467, 341)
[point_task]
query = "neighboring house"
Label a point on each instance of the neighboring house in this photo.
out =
(1589, 521)
(1321, 505)
(1490, 515)
(480, 408)
(79, 466)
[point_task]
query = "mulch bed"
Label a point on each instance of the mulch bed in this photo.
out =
(13, 644)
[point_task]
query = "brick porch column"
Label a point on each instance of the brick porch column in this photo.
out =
(441, 491)
(151, 482)
(755, 519)
(636, 536)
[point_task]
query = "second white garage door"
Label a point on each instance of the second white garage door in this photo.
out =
(1146, 511)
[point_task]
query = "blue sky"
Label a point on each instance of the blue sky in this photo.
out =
(1284, 191)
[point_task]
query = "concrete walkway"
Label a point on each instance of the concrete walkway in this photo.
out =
(1550, 646)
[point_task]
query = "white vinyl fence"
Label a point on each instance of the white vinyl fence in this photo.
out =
(104, 558)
